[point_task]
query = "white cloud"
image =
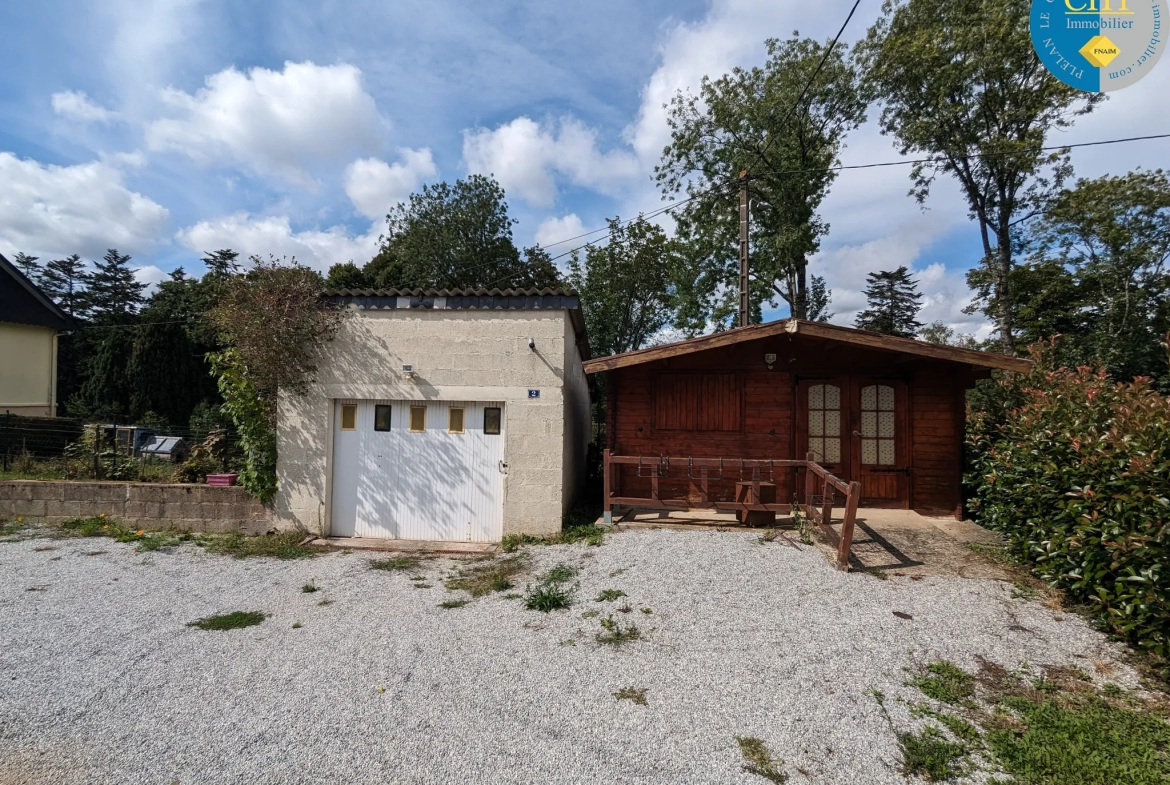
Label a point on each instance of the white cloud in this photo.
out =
(151, 276)
(75, 105)
(374, 186)
(84, 209)
(275, 122)
(274, 235)
(556, 230)
(525, 156)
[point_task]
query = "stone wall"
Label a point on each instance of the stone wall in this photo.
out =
(197, 508)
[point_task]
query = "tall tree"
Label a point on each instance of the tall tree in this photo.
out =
(1097, 276)
(752, 120)
(960, 83)
(221, 263)
(28, 265)
(346, 275)
(66, 280)
(624, 286)
(168, 373)
(114, 294)
(894, 302)
(451, 236)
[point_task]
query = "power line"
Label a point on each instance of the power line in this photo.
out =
(901, 162)
(815, 73)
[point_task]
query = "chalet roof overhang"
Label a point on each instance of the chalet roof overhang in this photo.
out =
(821, 330)
(22, 301)
(531, 299)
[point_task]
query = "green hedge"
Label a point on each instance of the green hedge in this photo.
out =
(1075, 472)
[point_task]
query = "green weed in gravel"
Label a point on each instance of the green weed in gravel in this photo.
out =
(930, 754)
(614, 633)
(632, 694)
(282, 545)
(396, 564)
(562, 573)
(230, 621)
(760, 761)
(310, 588)
(489, 575)
(577, 526)
(609, 595)
(101, 526)
(946, 683)
(453, 603)
(547, 597)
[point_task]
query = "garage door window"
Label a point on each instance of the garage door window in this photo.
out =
(491, 420)
(418, 419)
(349, 417)
(382, 417)
(455, 420)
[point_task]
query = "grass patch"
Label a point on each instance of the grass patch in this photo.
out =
(1023, 591)
(609, 595)
(489, 575)
(878, 573)
(325, 602)
(282, 545)
(230, 621)
(546, 597)
(577, 526)
(590, 614)
(562, 573)
(647, 611)
(297, 625)
(396, 564)
(930, 754)
(453, 603)
(1081, 740)
(310, 588)
(614, 633)
(631, 694)
(760, 760)
(946, 683)
(512, 595)
(101, 526)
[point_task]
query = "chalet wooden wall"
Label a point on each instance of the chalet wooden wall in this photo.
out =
(652, 413)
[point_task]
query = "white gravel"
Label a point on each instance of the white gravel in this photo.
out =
(102, 681)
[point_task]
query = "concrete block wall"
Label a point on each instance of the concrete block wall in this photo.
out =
(458, 355)
(196, 508)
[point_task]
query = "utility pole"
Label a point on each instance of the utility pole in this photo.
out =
(744, 313)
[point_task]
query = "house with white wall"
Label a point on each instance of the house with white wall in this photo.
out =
(29, 325)
(449, 415)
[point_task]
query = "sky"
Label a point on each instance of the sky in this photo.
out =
(169, 128)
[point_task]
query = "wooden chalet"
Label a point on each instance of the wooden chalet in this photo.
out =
(758, 418)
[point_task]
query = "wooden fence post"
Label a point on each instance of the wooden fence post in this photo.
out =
(607, 490)
(810, 481)
(827, 503)
(843, 547)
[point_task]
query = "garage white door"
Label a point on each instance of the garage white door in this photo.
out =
(418, 471)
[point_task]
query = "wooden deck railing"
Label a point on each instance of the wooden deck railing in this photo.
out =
(751, 476)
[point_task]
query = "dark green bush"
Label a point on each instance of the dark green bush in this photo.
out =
(1077, 477)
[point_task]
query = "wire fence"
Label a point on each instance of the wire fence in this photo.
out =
(106, 449)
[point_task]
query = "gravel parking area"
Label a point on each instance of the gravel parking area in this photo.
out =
(103, 681)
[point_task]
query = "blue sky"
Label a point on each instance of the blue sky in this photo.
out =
(170, 128)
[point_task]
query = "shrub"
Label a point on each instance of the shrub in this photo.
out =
(1077, 477)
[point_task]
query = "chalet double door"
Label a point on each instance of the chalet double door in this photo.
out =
(856, 427)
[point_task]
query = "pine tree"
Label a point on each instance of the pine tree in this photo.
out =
(114, 294)
(893, 299)
(65, 281)
(221, 263)
(28, 265)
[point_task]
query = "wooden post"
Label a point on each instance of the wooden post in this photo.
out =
(810, 481)
(744, 304)
(607, 493)
(827, 504)
(843, 547)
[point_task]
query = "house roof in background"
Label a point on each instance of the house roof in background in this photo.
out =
(22, 301)
(813, 330)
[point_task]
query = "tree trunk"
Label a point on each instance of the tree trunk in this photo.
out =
(800, 301)
(1003, 295)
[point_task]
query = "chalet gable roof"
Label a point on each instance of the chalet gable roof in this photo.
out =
(822, 330)
(22, 301)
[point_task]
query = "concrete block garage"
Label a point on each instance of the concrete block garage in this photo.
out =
(440, 415)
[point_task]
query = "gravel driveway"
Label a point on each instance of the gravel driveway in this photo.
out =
(102, 681)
